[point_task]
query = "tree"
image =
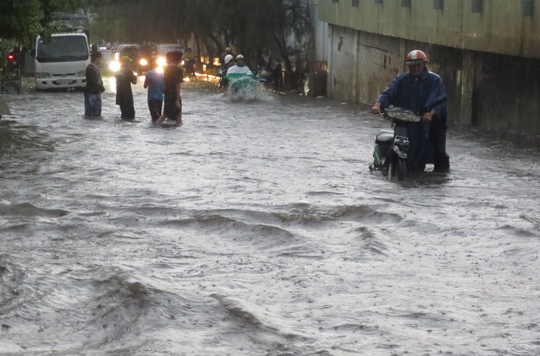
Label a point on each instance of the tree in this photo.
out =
(19, 20)
(22, 20)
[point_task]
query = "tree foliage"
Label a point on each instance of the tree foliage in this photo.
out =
(248, 25)
(20, 20)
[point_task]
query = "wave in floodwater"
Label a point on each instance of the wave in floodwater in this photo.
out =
(256, 228)
(248, 94)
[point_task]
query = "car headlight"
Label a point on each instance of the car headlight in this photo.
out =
(114, 66)
(143, 62)
(81, 73)
(161, 61)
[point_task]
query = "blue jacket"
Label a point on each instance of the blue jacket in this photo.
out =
(420, 94)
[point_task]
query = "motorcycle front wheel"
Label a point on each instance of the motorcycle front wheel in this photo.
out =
(11, 88)
(401, 169)
(397, 170)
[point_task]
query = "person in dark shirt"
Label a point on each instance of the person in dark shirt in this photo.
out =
(173, 76)
(124, 95)
(94, 88)
(272, 70)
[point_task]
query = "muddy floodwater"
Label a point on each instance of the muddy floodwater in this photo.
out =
(256, 228)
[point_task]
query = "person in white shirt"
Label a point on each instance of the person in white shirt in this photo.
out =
(240, 67)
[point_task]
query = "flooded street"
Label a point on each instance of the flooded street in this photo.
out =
(256, 228)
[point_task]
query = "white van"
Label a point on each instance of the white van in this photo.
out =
(61, 61)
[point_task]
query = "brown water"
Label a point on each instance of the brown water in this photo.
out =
(256, 228)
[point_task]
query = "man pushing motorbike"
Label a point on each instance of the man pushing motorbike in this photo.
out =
(422, 92)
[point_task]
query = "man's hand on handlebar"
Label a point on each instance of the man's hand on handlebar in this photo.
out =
(376, 109)
(428, 117)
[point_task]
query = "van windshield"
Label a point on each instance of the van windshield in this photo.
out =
(62, 49)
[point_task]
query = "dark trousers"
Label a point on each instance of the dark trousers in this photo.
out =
(437, 145)
(278, 77)
(155, 105)
(127, 110)
(418, 147)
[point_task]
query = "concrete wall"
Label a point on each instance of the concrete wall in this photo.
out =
(485, 90)
(505, 93)
(489, 60)
(502, 27)
(320, 30)
(342, 63)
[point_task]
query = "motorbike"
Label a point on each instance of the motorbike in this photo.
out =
(392, 146)
(263, 76)
(241, 81)
(10, 83)
(10, 75)
(267, 78)
(189, 68)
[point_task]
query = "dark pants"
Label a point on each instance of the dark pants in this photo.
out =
(417, 154)
(278, 77)
(155, 105)
(127, 111)
(125, 101)
(170, 110)
(437, 145)
(275, 78)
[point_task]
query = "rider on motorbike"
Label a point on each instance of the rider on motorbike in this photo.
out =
(239, 76)
(271, 70)
(228, 63)
(189, 62)
(422, 92)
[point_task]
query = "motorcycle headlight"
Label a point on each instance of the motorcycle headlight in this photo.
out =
(143, 62)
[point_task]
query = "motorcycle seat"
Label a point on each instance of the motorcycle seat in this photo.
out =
(384, 137)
